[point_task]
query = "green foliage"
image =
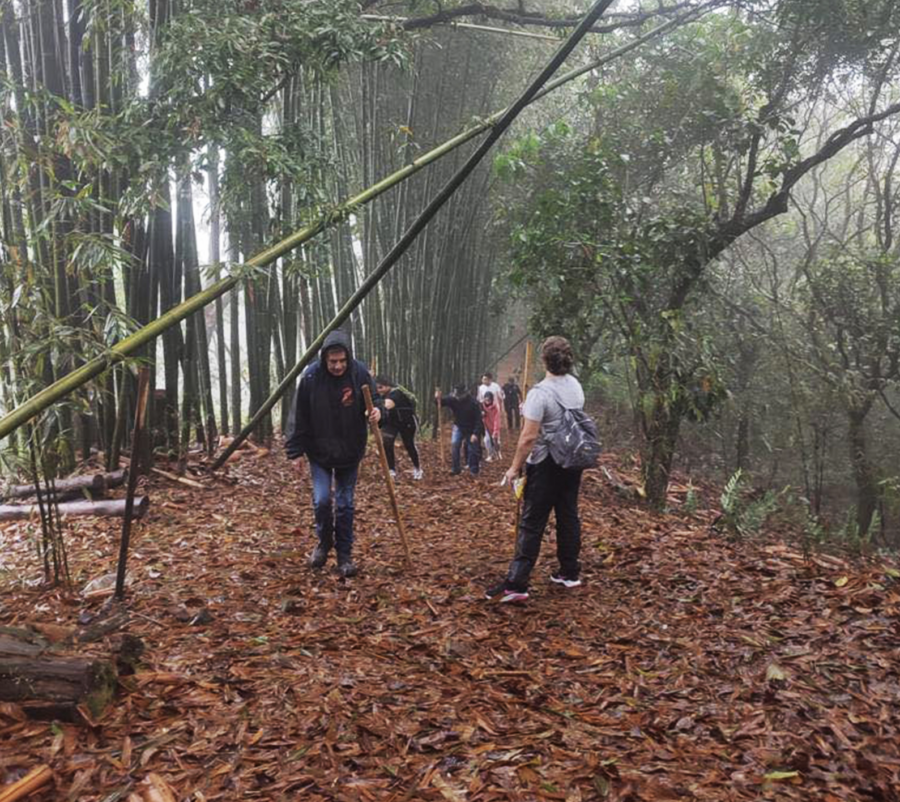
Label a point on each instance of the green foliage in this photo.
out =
(691, 502)
(841, 35)
(742, 516)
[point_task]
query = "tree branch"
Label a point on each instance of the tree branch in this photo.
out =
(778, 202)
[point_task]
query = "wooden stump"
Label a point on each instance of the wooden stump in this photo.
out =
(52, 686)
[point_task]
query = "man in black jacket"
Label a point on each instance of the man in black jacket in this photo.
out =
(328, 425)
(467, 427)
(512, 399)
(399, 418)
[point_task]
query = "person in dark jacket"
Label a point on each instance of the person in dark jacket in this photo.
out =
(328, 425)
(399, 418)
(467, 427)
(512, 396)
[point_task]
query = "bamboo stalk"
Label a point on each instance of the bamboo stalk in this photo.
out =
(121, 350)
(36, 778)
(469, 25)
(419, 224)
(528, 359)
(440, 429)
(140, 414)
(386, 472)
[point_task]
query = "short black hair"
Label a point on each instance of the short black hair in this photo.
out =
(384, 380)
(461, 389)
(488, 374)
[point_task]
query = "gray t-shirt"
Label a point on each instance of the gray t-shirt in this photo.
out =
(543, 405)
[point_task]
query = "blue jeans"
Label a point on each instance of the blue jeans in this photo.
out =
(473, 451)
(334, 523)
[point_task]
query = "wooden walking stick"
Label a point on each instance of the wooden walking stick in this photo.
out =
(367, 395)
(440, 428)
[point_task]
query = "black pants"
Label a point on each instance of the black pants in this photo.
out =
(547, 487)
(512, 412)
(408, 436)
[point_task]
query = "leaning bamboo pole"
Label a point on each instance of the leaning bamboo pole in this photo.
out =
(123, 349)
(419, 224)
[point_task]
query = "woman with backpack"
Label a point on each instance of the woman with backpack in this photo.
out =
(399, 418)
(551, 405)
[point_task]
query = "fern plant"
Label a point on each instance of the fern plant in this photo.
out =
(742, 517)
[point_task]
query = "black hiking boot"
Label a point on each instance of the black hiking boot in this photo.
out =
(346, 568)
(320, 555)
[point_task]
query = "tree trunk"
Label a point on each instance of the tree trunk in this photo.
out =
(863, 472)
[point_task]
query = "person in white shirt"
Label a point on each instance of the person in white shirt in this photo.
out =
(548, 487)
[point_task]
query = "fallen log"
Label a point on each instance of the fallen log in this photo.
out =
(109, 508)
(50, 687)
(47, 685)
(97, 484)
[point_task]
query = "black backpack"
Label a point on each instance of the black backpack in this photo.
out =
(575, 445)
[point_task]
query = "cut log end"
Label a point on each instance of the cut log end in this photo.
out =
(54, 687)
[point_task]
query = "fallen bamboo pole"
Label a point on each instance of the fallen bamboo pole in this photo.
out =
(36, 778)
(95, 484)
(386, 471)
(124, 348)
(110, 508)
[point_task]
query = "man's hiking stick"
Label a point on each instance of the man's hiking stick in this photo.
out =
(367, 394)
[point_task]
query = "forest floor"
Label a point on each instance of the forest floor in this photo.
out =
(686, 667)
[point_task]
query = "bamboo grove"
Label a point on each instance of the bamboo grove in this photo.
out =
(150, 155)
(141, 243)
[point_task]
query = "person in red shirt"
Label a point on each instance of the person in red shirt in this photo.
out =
(490, 412)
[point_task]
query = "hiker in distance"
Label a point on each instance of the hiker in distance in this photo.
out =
(488, 385)
(512, 399)
(399, 418)
(490, 415)
(468, 428)
(548, 485)
(327, 424)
